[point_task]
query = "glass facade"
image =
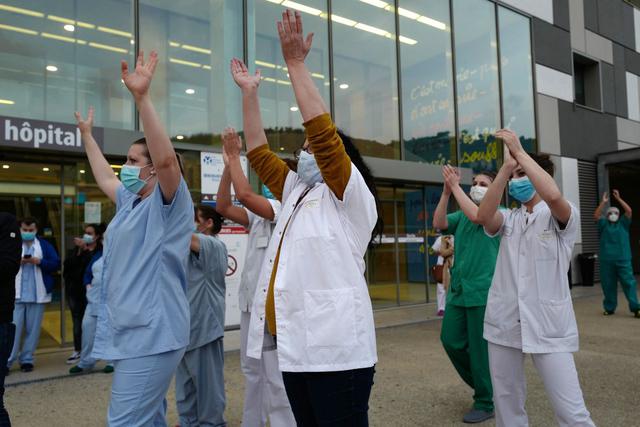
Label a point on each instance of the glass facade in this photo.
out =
(412, 80)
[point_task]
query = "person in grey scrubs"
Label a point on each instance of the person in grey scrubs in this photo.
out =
(200, 394)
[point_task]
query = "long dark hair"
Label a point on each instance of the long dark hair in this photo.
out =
(356, 159)
(99, 229)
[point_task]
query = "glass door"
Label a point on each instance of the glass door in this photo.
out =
(34, 190)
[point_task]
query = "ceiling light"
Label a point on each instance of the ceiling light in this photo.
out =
(294, 108)
(344, 86)
(18, 29)
(82, 171)
(376, 3)
(264, 64)
(343, 21)
(22, 11)
(183, 62)
(196, 49)
(52, 68)
(190, 91)
(7, 102)
(281, 148)
(114, 31)
(5, 166)
(45, 169)
(407, 13)
(69, 27)
(432, 22)
(371, 29)
(180, 137)
(116, 173)
(407, 40)
(108, 47)
(302, 8)
(132, 41)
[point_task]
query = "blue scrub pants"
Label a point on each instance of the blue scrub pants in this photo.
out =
(89, 322)
(29, 316)
(139, 388)
(200, 394)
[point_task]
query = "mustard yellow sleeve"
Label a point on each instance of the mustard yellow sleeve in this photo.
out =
(327, 147)
(270, 168)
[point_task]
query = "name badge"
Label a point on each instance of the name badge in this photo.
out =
(262, 242)
(546, 235)
(310, 204)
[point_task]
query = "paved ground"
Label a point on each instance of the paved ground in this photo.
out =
(415, 383)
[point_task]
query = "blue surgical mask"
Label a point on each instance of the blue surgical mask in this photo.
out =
(308, 170)
(87, 238)
(522, 189)
(130, 177)
(267, 193)
(28, 236)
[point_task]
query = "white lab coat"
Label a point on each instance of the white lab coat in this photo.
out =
(324, 317)
(42, 297)
(529, 305)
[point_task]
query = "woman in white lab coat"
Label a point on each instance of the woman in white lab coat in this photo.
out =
(529, 309)
(311, 291)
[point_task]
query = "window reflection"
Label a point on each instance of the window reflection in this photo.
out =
(366, 93)
(477, 83)
(427, 81)
(63, 56)
(193, 90)
(516, 74)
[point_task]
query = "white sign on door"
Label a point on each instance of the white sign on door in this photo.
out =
(211, 168)
(235, 238)
(92, 212)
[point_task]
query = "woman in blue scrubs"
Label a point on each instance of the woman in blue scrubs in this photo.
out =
(143, 318)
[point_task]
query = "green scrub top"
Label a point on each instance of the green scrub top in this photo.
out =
(474, 255)
(614, 239)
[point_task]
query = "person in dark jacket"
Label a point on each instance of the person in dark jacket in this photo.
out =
(10, 252)
(75, 266)
(33, 285)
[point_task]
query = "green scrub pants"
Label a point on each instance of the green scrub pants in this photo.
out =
(610, 273)
(462, 339)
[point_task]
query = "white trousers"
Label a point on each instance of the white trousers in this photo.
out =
(264, 395)
(441, 295)
(560, 378)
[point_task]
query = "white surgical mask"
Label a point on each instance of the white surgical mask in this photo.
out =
(477, 193)
(613, 217)
(308, 170)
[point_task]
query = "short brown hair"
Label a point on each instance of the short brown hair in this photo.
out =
(143, 141)
(489, 174)
(544, 161)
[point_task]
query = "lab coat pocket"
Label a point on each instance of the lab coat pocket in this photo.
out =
(125, 319)
(330, 317)
(555, 318)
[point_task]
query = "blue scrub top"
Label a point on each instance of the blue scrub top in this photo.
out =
(206, 291)
(143, 307)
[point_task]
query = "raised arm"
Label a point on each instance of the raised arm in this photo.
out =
(452, 178)
(224, 204)
(625, 206)
(488, 214)
(597, 214)
(544, 183)
(294, 50)
(251, 117)
(102, 172)
(160, 148)
(440, 215)
(257, 204)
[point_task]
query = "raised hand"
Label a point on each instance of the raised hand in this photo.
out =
(605, 197)
(616, 194)
(509, 161)
(294, 47)
(451, 176)
(511, 142)
(242, 77)
(85, 126)
(139, 81)
(231, 142)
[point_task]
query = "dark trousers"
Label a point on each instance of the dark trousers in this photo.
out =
(7, 334)
(330, 398)
(77, 306)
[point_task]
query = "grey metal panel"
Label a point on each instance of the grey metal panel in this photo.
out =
(628, 130)
(585, 133)
(632, 61)
(552, 46)
(591, 15)
(548, 125)
(410, 171)
(599, 47)
(587, 183)
(576, 16)
(117, 141)
(608, 88)
(615, 21)
(561, 14)
(620, 80)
